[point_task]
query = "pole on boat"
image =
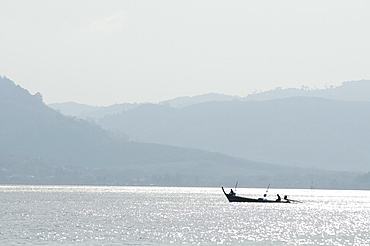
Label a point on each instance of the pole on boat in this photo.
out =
(236, 185)
(267, 188)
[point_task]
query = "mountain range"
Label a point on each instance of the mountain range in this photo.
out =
(348, 91)
(40, 145)
(299, 131)
(323, 128)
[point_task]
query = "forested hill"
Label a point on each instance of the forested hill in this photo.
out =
(29, 127)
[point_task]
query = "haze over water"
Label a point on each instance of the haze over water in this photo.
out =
(88, 215)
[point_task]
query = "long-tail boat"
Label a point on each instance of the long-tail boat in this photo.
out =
(232, 197)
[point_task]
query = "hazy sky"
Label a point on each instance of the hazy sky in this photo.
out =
(103, 52)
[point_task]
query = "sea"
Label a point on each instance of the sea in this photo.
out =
(119, 215)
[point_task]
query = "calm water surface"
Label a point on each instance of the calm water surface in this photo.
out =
(86, 215)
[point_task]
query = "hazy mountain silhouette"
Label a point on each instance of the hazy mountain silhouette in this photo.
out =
(348, 91)
(91, 113)
(300, 131)
(29, 127)
(73, 109)
(181, 102)
(39, 145)
(87, 112)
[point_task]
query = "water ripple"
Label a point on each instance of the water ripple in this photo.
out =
(57, 215)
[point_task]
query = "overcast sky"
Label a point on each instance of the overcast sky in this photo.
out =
(106, 52)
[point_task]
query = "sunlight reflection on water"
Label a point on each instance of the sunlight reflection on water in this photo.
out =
(54, 215)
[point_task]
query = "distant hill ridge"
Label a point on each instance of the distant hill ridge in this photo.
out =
(348, 91)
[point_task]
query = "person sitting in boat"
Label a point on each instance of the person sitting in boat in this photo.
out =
(232, 192)
(264, 198)
(286, 198)
(279, 198)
